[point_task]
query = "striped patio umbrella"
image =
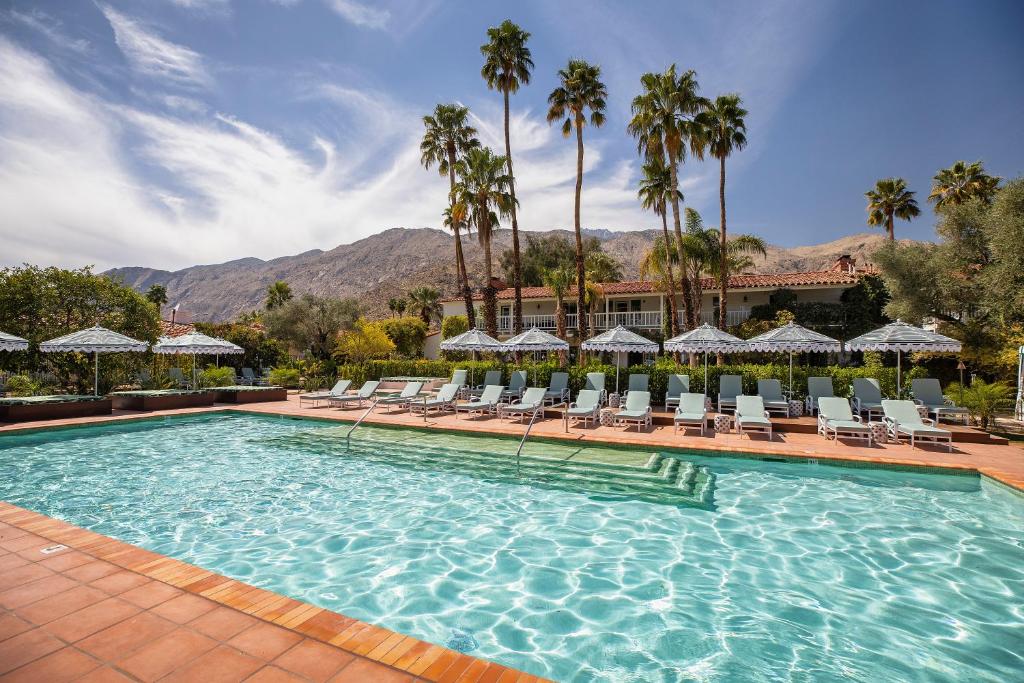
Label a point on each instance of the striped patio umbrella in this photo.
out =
(474, 340)
(196, 343)
(899, 337)
(705, 339)
(793, 338)
(533, 340)
(94, 340)
(619, 340)
(8, 342)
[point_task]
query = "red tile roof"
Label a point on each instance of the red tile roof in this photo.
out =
(169, 329)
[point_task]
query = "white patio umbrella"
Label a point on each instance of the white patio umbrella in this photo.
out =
(196, 343)
(94, 340)
(705, 339)
(899, 337)
(474, 340)
(533, 340)
(8, 342)
(619, 340)
(794, 339)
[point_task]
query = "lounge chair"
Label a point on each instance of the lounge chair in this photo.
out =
(595, 382)
(677, 384)
(836, 418)
(459, 377)
(770, 391)
(339, 389)
(409, 393)
(637, 410)
(817, 387)
(586, 408)
(249, 378)
(558, 388)
(516, 385)
(442, 402)
(867, 396)
(638, 383)
(531, 402)
(357, 399)
(729, 387)
(902, 419)
(927, 392)
(487, 402)
(751, 416)
(690, 411)
(492, 377)
(178, 377)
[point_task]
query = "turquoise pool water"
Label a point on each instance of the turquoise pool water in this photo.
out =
(606, 565)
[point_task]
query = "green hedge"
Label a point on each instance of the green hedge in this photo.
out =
(540, 374)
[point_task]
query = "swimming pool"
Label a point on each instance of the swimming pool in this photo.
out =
(612, 565)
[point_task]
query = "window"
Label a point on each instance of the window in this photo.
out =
(636, 305)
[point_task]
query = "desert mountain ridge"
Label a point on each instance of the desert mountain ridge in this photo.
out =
(390, 263)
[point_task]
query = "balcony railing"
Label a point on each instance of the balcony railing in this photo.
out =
(734, 316)
(606, 321)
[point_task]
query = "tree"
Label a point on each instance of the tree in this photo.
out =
(312, 323)
(507, 65)
(580, 89)
(559, 280)
(601, 266)
(483, 192)
(157, 294)
(453, 326)
(721, 129)
(962, 182)
(260, 350)
(890, 197)
(655, 194)
(663, 125)
(426, 303)
(547, 252)
(657, 265)
(365, 341)
(408, 334)
(447, 138)
(278, 294)
(397, 306)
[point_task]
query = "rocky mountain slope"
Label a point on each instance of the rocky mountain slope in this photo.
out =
(392, 262)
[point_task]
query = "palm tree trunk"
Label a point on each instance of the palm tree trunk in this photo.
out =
(581, 274)
(723, 269)
(890, 226)
(560, 326)
(517, 275)
(490, 298)
(460, 258)
(684, 280)
(674, 322)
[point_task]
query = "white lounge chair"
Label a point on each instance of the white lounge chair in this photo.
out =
(516, 385)
(357, 399)
(816, 388)
(442, 402)
(587, 407)
(637, 410)
(339, 389)
(409, 393)
(867, 396)
(531, 402)
(595, 382)
(491, 377)
(487, 402)
(558, 388)
(928, 392)
(459, 377)
(690, 411)
(902, 419)
(836, 418)
(638, 382)
(770, 391)
(751, 416)
(677, 384)
(729, 387)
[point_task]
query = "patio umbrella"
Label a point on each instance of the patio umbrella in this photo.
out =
(794, 339)
(705, 339)
(474, 340)
(94, 340)
(899, 337)
(8, 342)
(196, 343)
(619, 340)
(535, 340)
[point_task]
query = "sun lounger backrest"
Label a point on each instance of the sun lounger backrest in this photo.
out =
(927, 390)
(533, 396)
(595, 381)
(834, 408)
(411, 389)
(491, 393)
(730, 386)
(639, 382)
(678, 384)
(247, 373)
(638, 400)
(588, 399)
(341, 386)
(559, 381)
(867, 390)
(819, 386)
(368, 388)
(691, 403)
(175, 374)
(749, 406)
(459, 377)
(770, 390)
(517, 380)
(447, 391)
(903, 412)
(492, 377)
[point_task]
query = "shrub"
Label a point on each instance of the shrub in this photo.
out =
(453, 326)
(284, 377)
(21, 385)
(983, 399)
(365, 341)
(217, 377)
(408, 335)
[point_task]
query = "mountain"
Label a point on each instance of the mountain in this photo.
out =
(392, 262)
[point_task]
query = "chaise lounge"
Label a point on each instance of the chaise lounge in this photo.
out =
(637, 411)
(530, 403)
(690, 411)
(751, 416)
(442, 402)
(586, 409)
(902, 419)
(928, 392)
(836, 418)
(488, 402)
(339, 389)
(357, 399)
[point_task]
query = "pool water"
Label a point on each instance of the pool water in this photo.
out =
(589, 564)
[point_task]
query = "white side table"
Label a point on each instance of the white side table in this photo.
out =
(879, 433)
(607, 418)
(723, 423)
(796, 409)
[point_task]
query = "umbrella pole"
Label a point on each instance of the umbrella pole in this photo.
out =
(194, 383)
(899, 372)
(705, 373)
(96, 373)
(790, 374)
(616, 372)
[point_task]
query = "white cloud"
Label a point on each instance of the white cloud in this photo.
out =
(360, 14)
(211, 7)
(50, 27)
(154, 56)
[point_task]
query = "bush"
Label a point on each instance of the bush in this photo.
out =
(453, 326)
(21, 385)
(408, 335)
(984, 399)
(217, 377)
(285, 377)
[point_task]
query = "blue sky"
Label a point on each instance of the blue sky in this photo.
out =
(174, 132)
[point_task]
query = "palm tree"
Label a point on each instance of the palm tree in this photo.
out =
(721, 129)
(484, 193)
(447, 138)
(890, 198)
(426, 303)
(277, 294)
(961, 182)
(559, 281)
(396, 306)
(663, 125)
(581, 89)
(655, 190)
(507, 65)
(157, 294)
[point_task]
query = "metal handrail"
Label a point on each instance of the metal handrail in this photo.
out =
(362, 417)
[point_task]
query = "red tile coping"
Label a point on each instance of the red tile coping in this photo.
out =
(139, 615)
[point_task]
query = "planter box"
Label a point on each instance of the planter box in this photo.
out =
(161, 400)
(52, 408)
(249, 394)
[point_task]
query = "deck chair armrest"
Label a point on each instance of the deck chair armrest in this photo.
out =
(856, 404)
(767, 416)
(928, 421)
(948, 401)
(918, 402)
(891, 422)
(858, 418)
